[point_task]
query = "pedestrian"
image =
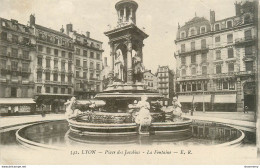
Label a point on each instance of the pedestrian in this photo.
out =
(246, 109)
(43, 110)
(9, 110)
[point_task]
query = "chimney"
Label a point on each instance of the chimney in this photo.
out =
(88, 34)
(238, 9)
(69, 28)
(62, 29)
(212, 16)
(32, 20)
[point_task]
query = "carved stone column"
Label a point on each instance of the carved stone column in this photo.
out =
(124, 18)
(129, 62)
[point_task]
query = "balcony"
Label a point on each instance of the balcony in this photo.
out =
(25, 57)
(163, 81)
(245, 73)
(245, 40)
(193, 51)
(26, 70)
(249, 57)
(194, 77)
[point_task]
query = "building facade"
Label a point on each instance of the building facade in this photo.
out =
(166, 83)
(17, 50)
(216, 61)
(150, 80)
(88, 64)
(42, 65)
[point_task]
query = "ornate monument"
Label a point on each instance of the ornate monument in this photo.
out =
(126, 43)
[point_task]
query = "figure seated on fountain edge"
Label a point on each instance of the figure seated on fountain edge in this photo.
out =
(174, 110)
(70, 111)
(143, 117)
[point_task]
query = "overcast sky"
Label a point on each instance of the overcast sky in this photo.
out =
(159, 17)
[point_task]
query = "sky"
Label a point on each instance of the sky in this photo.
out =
(160, 19)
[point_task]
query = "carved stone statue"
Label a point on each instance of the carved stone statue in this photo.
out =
(119, 66)
(70, 112)
(138, 68)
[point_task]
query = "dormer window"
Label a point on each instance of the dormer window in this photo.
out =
(217, 28)
(229, 24)
(203, 30)
(192, 32)
(183, 34)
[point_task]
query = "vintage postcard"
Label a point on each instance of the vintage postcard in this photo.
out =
(129, 82)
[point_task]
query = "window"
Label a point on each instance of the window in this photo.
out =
(249, 65)
(26, 40)
(192, 44)
(48, 50)
(194, 87)
(183, 35)
(91, 54)
(97, 88)
(231, 85)
(3, 63)
(3, 50)
(247, 19)
(98, 56)
(219, 85)
(205, 86)
(4, 36)
(77, 62)
(63, 65)
(183, 88)
(193, 71)
(230, 38)
(183, 72)
(77, 74)
(48, 63)
(230, 53)
(62, 90)
(55, 90)
(63, 53)
(248, 34)
(13, 92)
(91, 75)
(98, 66)
(218, 54)
(14, 65)
(77, 51)
(69, 78)
(198, 86)
(183, 48)
(91, 65)
(56, 63)
(39, 61)
(55, 77)
(69, 90)
(39, 75)
(248, 51)
(14, 38)
(48, 90)
(203, 44)
(47, 76)
(203, 30)
(62, 77)
(85, 53)
(40, 48)
(85, 64)
(39, 89)
(56, 52)
(216, 27)
(14, 52)
(63, 43)
(204, 57)
(218, 69)
(70, 56)
(193, 59)
(217, 39)
(56, 41)
(69, 66)
(225, 84)
(229, 24)
(204, 70)
(85, 75)
(183, 60)
(25, 54)
(48, 38)
(192, 32)
(188, 87)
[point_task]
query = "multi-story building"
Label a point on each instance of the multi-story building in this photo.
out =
(150, 80)
(53, 69)
(88, 64)
(17, 51)
(216, 61)
(166, 83)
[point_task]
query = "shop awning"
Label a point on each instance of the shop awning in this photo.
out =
(12, 101)
(227, 98)
(185, 98)
(201, 98)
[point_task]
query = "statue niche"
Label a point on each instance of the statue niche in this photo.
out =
(138, 67)
(121, 63)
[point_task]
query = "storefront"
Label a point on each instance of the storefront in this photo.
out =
(225, 102)
(16, 106)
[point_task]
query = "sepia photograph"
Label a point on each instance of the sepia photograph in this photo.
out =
(129, 82)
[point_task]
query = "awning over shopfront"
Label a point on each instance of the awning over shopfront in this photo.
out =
(202, 98)
(13, 101)
(227, 98)
(185, 98)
